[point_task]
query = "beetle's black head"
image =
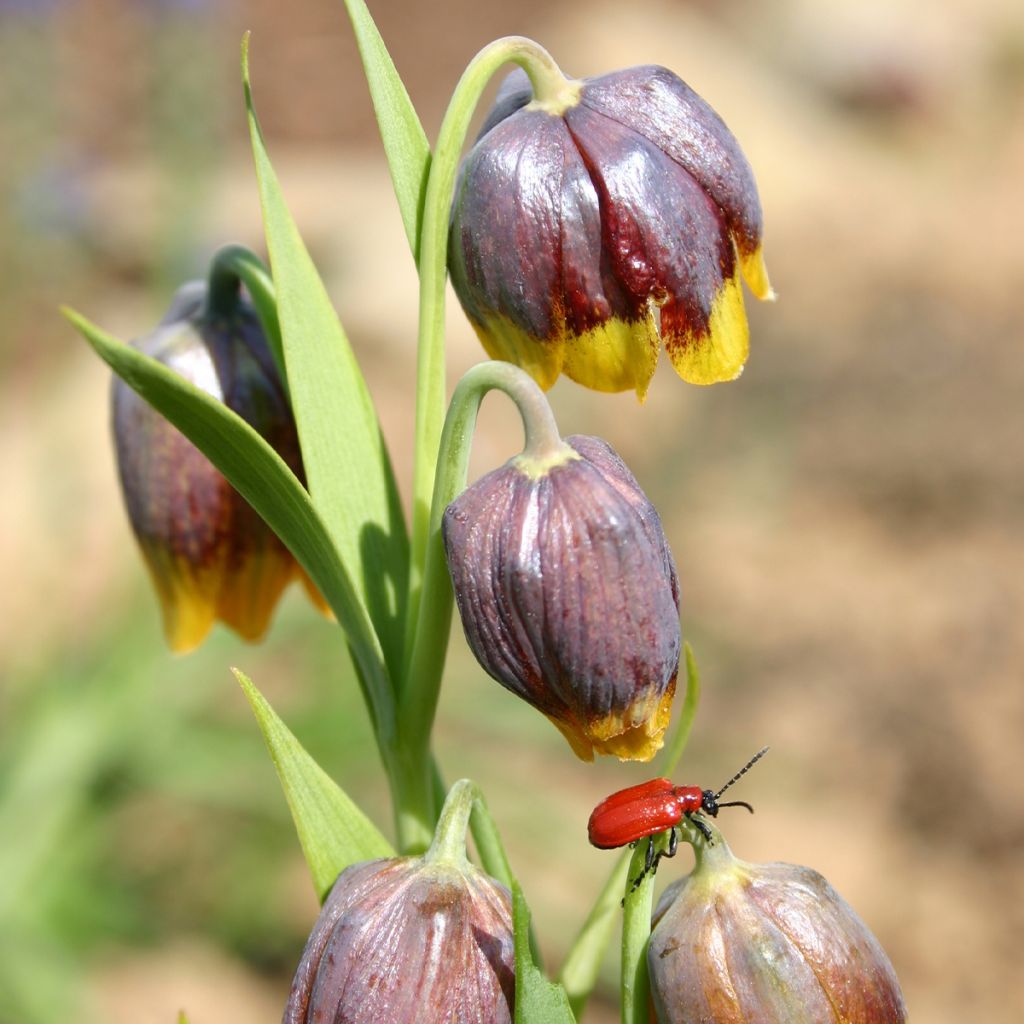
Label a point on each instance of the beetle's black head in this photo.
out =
(709, 803)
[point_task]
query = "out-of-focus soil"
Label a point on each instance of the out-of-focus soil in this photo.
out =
(846, 518)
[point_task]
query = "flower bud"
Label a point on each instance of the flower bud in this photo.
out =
(425, 939)
(737, 942)
(568, 595)
(209, 554)
(580, 226)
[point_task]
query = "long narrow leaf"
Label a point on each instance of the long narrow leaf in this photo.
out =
(405, 142)
(538, 1001)
(343, 451)
(582, 965)
(259, 474)
(333, 831)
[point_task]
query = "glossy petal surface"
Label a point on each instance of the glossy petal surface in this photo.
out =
(576, 235)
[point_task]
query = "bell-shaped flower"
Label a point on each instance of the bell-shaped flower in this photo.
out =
(568, 595)
(580, 228)
(209, 554)
(425, 939)
(774, 943)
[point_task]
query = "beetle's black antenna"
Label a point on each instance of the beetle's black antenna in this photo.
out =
(737, 803)
(743, 771)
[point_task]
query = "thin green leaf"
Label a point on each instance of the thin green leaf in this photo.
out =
(259, 474)
(488, 843)
(538, 1001)
(333, 831)
(493, 856)
(583, 963)
(343, 451)
(405, 142)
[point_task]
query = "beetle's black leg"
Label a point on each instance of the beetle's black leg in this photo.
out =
(673, 844)
(702, 827)
(673, 848)
(652, 859)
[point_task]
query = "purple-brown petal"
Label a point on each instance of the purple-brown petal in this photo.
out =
(569, 598)
(404, 940)
(736, 942)
(668, 245)
(209, 554)
(660, 106)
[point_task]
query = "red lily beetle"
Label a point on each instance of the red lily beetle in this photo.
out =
(659, 805)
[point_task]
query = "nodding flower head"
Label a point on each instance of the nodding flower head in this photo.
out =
(425, 939)
(568, 595)
(579, 229)
(736, 942)
(209, 554)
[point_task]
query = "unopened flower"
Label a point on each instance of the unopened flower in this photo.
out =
(774, 943)
(568, 595)
(425, 939)
(209, 554)
(578, 227)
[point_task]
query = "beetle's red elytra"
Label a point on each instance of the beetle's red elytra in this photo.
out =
(657, 806)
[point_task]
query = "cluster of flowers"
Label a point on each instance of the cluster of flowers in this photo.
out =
(579, 235)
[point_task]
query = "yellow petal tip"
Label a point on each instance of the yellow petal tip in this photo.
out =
(755, 273)
(617, 355)
(635, 734)
(193, 597)
(720, 353)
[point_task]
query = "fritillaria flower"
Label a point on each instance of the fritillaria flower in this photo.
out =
(425, 939)
(579, 227)
(209, 554)
(568, 595)
(774, 943)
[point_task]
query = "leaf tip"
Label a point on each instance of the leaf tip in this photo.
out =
(252, 695)
(73, 317)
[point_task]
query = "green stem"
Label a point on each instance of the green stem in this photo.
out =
(410, 774)
(422, 675)
(550, 86)
(449, 844)
(636, 931)
(231, 266)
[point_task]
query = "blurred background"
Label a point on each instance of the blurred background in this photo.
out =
(846, 517)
